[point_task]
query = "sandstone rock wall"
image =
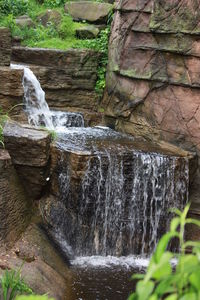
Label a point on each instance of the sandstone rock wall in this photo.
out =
(11, 90)
(153, 81)
(15, 210)
(67, 77)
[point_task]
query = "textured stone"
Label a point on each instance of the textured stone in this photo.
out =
(176, 16)
(153, 73)
(29, 149)
(93, 12)
(5, 46)
(15, 209)
(50, 16)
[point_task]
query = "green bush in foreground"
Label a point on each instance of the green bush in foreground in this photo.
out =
(15, 7)
(160, 280)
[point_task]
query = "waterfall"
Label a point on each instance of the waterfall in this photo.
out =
(121, 204)
(37, 109)
(114, 198)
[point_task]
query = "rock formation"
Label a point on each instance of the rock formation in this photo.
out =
(153, 86)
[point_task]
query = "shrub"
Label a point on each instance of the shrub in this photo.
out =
(54, 3)
(15, 7)
(160, 280)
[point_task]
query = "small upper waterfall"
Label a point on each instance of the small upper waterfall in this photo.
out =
(114, 193)
(37, 109)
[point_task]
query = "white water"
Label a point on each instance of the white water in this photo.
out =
(96, 261)
(37, 109)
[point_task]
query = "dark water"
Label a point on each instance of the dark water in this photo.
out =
(101, 283)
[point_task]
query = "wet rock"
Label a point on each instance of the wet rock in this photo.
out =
(50, 16)
(93, 12)
(24, 21)
(87, 32)
(29, 149)
(5, 46)
(15, 209)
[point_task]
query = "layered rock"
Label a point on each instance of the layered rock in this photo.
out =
(67, 77)
(153, 74)
(15, 209)
(29, 149)
(5, 46)
(11, 90)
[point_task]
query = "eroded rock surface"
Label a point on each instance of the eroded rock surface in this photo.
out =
(153, 76)
(15, 209)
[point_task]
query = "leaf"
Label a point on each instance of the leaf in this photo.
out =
(192, 221)
(131, 297)
(189, 296)
(137, 276)
(194, 279)
(144, 289)
(187, 263)
(162, 245)
(165, 287)
(172, 297)
(174, 224)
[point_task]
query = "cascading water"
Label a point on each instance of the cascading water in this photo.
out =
(37, 109)
(121, 204)
(118, 204)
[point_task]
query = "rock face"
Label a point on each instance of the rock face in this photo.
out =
(29, 149)
(93, 12)
(153, 86)
(15, 209)
(5, 46)
(67, 77)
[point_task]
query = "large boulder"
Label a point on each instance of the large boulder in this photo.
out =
(93, 12)
(5, 46)
(50, 16)
(29, 149)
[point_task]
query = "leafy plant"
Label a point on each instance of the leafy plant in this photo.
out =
(12, 284)
(160, 280)
(54, 3)
(15, 7)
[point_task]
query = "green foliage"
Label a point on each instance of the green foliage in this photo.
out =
(99, 44)
(12, 284)
(54, 3)
(15, 7)
(160, 281)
